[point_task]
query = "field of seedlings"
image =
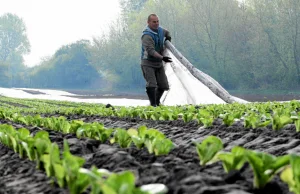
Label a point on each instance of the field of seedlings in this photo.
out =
(64, 147)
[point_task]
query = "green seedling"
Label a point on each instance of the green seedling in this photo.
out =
(265, 166)
(208, 148)
(233, 160)
(291, 174)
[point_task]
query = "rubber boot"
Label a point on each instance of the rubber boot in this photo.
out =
(159, 94)
(151, 95)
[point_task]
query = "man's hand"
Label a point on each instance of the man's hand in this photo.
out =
(168, 38)
(167, 59)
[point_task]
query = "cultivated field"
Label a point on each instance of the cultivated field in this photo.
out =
(59, 147)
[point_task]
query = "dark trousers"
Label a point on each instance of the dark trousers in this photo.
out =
(155, 77)
(156, 83)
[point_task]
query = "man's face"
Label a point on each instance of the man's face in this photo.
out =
(153, 22)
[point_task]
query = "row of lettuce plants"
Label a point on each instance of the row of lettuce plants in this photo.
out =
(252, 115)
(66, 169)
(152, 139)
(6, 105)
(264, 166)
(43, 102)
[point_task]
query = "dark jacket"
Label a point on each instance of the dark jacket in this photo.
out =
(153, 42)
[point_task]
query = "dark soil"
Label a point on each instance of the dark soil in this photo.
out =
(21, 176)
(179, 170)
(33, 92)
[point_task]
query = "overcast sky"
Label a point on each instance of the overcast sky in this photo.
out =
(53, 23)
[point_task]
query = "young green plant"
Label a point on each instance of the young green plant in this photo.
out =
(233, 160)
(208, 148)
(265, 166)
(291, 174)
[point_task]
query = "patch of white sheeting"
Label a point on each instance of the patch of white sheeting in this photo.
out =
(58, 95)
(185, 88)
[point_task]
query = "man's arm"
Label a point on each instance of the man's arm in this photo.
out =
(167, 35)
(148, 44)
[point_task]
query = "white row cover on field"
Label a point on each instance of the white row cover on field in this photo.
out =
(187, 89)
(65, 96)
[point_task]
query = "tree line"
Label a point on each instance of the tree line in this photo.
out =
(244, 45)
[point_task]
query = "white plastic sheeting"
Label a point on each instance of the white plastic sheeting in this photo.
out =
(185, 88)
(59, 95)
(208, 81)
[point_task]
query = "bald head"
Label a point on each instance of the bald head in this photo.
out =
(153, 21)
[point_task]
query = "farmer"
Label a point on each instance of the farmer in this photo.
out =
(151, 60)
